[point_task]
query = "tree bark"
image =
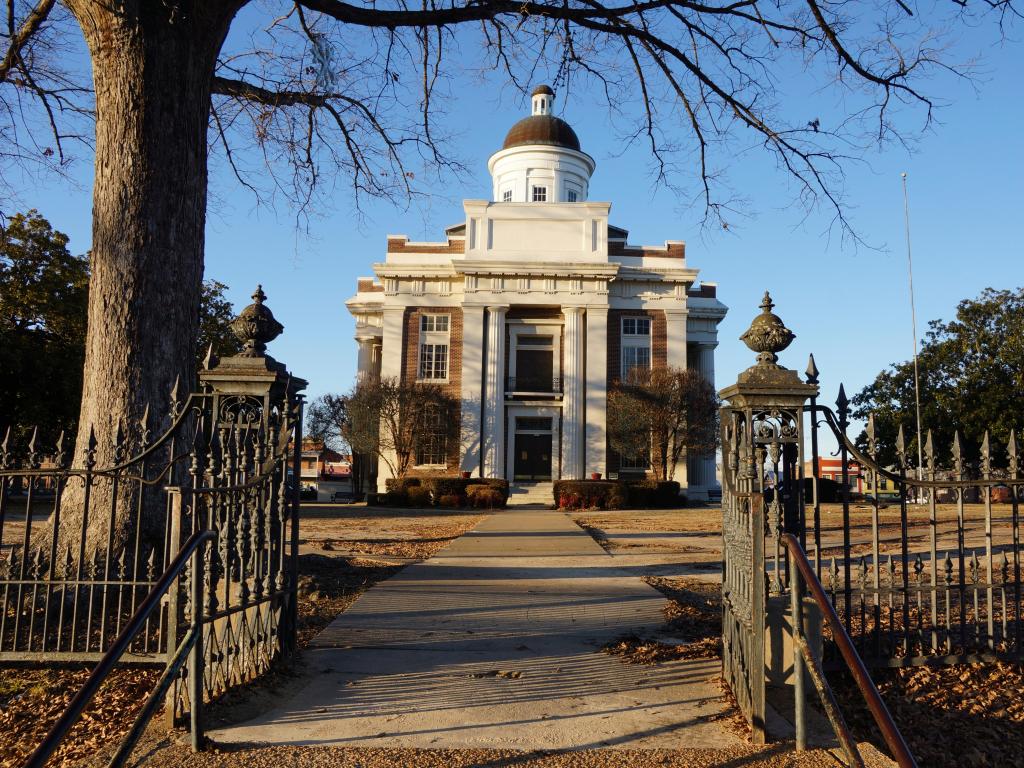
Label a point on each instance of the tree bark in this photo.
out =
(152, 67)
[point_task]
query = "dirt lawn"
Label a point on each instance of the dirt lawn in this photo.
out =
(344, 549)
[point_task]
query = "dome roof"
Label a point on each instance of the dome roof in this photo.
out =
(543, 90)
(542, 129)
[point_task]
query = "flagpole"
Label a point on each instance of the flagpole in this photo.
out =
(913, 323)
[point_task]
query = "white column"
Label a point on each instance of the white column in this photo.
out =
(391, 354)
(706, 358)
(365, 359)
(701, 469)
(596, 453)
(675, 343)
(472, 387)
(675, 323)
(573, 378)
(494, 394)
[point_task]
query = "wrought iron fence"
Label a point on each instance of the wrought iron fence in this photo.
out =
(926, 582)
(931, 581)
(81, 546)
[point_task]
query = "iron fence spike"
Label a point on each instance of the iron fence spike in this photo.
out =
(812, 370)
(986, 454)
(842, 401)
(958, 464)
(60, 454)
(32, 441)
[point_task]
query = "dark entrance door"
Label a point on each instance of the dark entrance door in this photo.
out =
(533, 457)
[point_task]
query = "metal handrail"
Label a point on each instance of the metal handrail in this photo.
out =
(802, 655)
(110, 659)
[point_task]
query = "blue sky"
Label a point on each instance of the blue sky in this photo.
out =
(848, 306)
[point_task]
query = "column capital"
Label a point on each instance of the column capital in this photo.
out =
(574, 310)
(497, 309)
(706, 344)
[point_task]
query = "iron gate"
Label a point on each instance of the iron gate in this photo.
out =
(928, 574)
(227, 461)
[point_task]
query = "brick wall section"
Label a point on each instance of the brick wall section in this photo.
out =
(670, 250)
(704, 292)
(659, 338)
(366, 285)
(411, 362)
(659, 351)
(401, 245)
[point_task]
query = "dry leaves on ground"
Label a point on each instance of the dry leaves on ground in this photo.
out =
(692, 617)
(962, 716)
(32, 700)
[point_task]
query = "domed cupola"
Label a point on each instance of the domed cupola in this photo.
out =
(541, 160)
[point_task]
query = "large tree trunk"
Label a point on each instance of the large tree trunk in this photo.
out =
(152, 67)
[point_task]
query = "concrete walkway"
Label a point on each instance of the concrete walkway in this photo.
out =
(492, 644)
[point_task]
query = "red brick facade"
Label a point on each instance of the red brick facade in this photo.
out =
(659, 353)
(401, 245)
(367, 285)
(671, 250)
(411, 362)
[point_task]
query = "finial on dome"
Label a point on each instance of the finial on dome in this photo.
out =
(543, 100)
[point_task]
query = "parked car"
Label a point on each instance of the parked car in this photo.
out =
(343, 497)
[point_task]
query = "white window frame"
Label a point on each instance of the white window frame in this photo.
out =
(571, 196)
(634, 464)
(435, 331)
(538, 194)
(632, 341)
(552, 328)
(444, 448)
(506, 195)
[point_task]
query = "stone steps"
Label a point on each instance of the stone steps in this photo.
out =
(522, 494)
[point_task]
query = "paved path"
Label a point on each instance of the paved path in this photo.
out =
(492, 644)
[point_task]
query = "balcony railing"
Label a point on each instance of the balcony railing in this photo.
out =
(532, 385)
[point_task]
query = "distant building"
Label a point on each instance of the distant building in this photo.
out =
(857, 477)
(528, 310)
(323, 470)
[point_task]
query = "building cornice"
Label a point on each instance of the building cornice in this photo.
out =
(673, 274)
(550, 268)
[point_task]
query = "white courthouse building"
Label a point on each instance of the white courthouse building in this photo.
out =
(528, 310)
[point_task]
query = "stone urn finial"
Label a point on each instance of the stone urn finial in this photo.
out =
(767, 334)
(255, 326)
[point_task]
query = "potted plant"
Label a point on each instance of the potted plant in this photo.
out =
(595, 475)
(466, 475)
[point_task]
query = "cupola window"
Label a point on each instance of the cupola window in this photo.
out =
(506, 196)
(540, 194)
(571, 196)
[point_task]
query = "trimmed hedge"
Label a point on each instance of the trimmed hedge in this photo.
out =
(441, 491)
(418, 496)
(401, 483)
(390, 499)
(483, 496)
(445, 486)
(616, 494)
(494, 483)
(459, 486)
(586, 494)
